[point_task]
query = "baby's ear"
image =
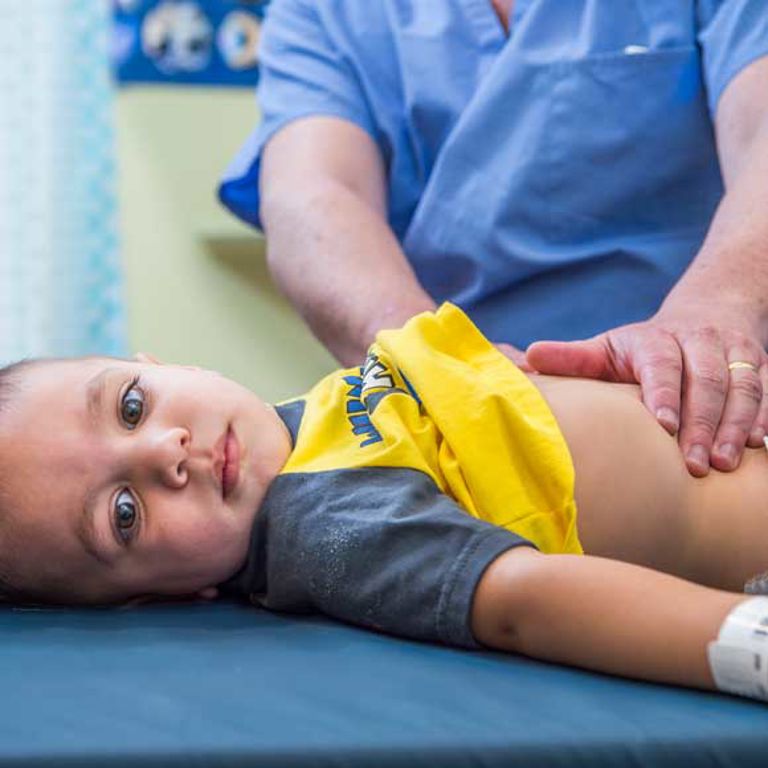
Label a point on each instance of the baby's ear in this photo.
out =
(142, 357)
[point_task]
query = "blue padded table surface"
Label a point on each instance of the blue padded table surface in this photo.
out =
(229, 685)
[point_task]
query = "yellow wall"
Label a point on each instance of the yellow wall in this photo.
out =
(196, 283)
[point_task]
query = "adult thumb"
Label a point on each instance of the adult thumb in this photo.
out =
(589, 358)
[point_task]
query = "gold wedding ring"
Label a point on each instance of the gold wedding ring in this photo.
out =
(742, 364)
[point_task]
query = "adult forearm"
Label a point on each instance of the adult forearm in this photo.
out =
(336, 259)
(732, 263)
(603, 615)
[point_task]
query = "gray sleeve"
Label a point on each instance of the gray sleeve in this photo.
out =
(378, 547)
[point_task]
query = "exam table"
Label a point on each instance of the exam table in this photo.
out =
(225, 684)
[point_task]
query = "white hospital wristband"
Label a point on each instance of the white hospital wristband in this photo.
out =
(738, 658)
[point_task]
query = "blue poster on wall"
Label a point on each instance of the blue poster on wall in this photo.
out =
(194, 42)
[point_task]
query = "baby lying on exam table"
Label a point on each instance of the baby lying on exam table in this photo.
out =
(435, 492)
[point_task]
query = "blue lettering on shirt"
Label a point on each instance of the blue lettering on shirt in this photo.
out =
(357, 415)
(374, 381)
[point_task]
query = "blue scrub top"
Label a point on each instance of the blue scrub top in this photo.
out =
(554, 182)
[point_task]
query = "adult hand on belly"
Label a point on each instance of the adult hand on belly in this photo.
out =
(707, 380)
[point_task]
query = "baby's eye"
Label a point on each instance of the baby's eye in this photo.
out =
(126, 515)
(132, 405)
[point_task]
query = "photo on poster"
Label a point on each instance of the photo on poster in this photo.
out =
(194, 42)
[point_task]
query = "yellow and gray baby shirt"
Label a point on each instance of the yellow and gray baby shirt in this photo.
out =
(408, 477)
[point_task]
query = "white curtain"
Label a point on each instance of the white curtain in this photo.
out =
(60, 278)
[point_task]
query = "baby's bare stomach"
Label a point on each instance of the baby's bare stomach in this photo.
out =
(638, 503)
(632, 488)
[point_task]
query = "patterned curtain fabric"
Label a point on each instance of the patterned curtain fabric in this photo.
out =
(60, 278)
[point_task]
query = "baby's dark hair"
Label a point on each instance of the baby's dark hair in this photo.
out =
(10, 590)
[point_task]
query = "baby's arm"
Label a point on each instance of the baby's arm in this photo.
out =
(600, 614)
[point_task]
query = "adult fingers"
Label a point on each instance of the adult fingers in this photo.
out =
(742, 404)
(657, 363)
(591, 358)
(638, 353)
(705, 386)
(760, 427)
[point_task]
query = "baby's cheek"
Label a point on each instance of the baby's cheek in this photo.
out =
(202, 534)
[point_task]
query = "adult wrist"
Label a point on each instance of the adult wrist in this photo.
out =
(749, 314)
(395, 314)
(712, 281)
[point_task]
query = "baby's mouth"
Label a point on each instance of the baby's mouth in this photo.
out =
(230, 471)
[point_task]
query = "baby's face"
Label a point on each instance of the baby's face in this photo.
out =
(131, 478)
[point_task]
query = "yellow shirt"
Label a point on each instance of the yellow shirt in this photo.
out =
(436, 396)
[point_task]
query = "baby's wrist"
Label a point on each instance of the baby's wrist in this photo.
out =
(738, 658)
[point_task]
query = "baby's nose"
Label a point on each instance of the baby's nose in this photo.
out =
(168, 455)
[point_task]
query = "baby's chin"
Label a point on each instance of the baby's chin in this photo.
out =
(234, 556)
